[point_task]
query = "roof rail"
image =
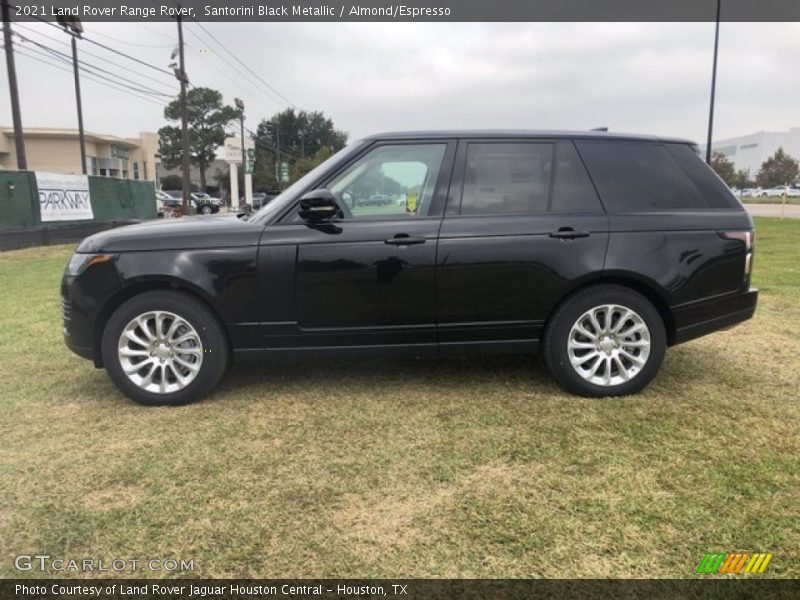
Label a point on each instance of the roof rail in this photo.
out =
(599, 129)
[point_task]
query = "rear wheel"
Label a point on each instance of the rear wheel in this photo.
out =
(164, 347)
(206, 209)
(606, 340)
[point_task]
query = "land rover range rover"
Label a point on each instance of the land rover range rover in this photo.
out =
(600, 249)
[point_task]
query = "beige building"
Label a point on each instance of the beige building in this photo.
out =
(58, 151)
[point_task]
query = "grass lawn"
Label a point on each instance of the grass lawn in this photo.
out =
(405, 468)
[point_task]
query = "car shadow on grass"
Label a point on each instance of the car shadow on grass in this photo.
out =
(684, 367)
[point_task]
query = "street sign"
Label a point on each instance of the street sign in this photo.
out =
(285, 172)
(251, 160)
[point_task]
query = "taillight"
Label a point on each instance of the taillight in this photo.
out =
(748, 238)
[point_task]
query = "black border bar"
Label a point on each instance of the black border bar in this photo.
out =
(410, 10)
(400, 589)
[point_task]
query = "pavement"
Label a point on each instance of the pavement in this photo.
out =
(791, 211)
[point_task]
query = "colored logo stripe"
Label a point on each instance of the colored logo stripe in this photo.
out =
(734, 563)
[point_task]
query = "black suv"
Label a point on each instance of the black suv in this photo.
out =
(600, 249)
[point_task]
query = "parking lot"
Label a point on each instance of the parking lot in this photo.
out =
(477, 467)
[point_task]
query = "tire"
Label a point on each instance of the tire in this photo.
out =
(634, 359)
(206, 210)
(190, 360)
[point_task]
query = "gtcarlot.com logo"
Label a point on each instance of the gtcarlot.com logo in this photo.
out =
(48, 563)
(739, 562)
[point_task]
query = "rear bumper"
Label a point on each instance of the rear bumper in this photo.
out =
(706, 316)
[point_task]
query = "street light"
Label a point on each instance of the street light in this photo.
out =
(75, 28)
(713, 86)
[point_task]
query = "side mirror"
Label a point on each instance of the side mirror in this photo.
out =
(318, 205)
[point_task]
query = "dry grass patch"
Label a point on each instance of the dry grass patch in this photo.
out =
(115, 498)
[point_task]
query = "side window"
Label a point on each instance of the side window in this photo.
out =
(638, 176)
(506, 178)
(572, 189)
(390, 182)
(709, 184)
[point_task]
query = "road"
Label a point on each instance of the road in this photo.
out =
(792, 211)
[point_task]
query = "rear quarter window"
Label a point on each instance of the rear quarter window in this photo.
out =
(710, 185)
(639, 176)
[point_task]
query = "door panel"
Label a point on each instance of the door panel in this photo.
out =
(500, 275)
(504, 283)
(360, 289)
(367, 278)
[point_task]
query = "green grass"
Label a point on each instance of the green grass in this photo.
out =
(405, 468)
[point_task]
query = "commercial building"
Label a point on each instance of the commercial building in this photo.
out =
(750, 151)
(58, 151)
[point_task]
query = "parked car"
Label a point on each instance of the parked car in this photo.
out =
(202, 202)
(164, 200)
(780, 191)
(750, 192)
(205, 204)
(600, 250)
(375, 200)
(262, 199)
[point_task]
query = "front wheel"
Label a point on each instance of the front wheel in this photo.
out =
(164, 347)
(606, 340)
(206, 210)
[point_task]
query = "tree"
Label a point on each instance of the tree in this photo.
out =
(207, 120)
(742, 179)
(778, 169)
(724, 168)
(171, 182)
(303, 138)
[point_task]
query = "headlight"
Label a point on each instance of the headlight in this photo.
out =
(80, 262)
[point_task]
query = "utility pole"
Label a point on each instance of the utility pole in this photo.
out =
(75, 29)
(22, 162)
(278, 165)
(302, 137)
(713, 86)
(240, 105)
(181, 75)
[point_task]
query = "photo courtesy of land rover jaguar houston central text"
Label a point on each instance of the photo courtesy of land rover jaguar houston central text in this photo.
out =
(599, 249)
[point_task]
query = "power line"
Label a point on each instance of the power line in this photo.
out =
(248, 69)
(89, 77)
(109, 48)
(67, 65)
(139, 86)
(127, 43)
(86, 52)
(233, 67)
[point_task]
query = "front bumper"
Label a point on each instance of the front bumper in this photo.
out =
(713, 314)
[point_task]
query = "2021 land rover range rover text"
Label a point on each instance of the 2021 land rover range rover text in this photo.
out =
(600, 249)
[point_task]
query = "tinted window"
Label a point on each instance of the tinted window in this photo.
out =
(390, 182)
(506, 178)
(712, 187)
(638, 176)
(572, 190)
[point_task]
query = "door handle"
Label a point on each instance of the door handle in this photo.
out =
(403, 239)
(568, 233)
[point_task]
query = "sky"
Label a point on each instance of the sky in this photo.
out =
(372, 77)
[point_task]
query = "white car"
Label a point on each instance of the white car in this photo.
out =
(780, 191)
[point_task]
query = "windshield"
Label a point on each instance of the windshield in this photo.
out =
(287, 196)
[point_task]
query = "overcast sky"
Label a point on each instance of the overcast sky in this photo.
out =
(369, 77)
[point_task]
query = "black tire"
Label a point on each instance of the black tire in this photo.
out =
(566, 316)
(206, 210)
(194, 312)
